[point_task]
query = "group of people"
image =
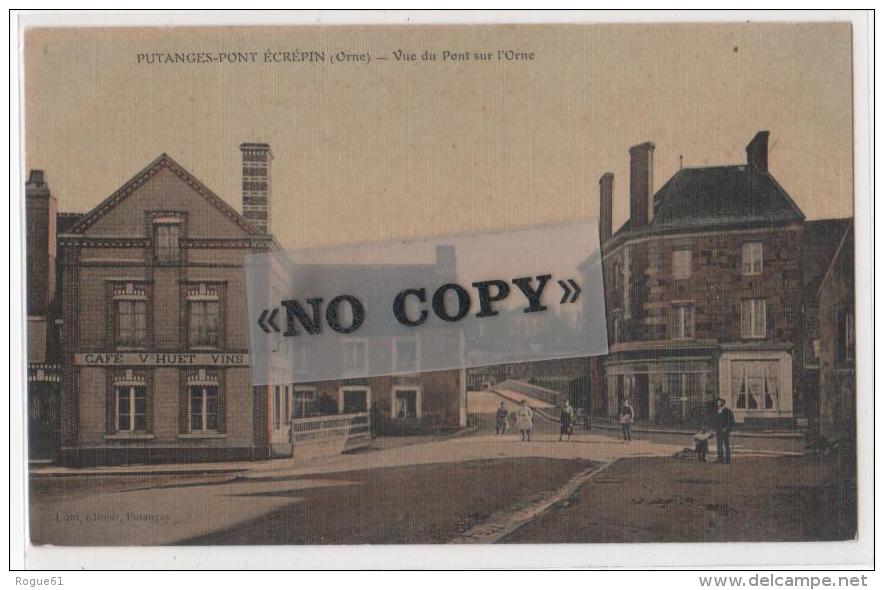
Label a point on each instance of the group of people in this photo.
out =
(724, 424)
(524, 420)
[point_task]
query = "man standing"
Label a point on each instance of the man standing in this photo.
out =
(724, 423)
(374, 419)
(500, 424)
(626, 416)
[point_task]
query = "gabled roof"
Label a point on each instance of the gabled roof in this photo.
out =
(152, 169)
(717, 197)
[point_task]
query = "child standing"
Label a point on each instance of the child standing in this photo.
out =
(701, 443)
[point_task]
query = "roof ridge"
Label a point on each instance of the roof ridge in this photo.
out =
(163, 160)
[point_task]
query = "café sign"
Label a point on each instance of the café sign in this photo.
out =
(162, 359)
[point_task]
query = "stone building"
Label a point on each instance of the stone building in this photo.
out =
(703, 290)
(820, 241)
(837, 344)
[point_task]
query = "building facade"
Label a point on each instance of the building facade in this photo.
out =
(704, 294)
(44, 370)
(155, 346)
(153, 362)
(837, 344)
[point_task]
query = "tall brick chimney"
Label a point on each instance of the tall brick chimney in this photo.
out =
(606, 203)
(256, 158)
(40, 237)
(756, 151)
(641, 184)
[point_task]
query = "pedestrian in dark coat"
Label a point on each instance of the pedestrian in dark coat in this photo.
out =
(500, 419)
(626, 416)
(374, 419)
(724, 423)
(567, 421)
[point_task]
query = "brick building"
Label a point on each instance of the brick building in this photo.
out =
(44, 371)
(409, 399)
(704, 292)
(154, 357)
(256, 159)
(155, 347)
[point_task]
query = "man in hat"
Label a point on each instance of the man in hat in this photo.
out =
(724, 423)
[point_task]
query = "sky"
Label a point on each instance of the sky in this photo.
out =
(389, 149)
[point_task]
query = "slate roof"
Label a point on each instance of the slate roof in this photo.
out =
(718, 197)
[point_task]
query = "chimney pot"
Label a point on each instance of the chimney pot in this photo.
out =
(756, 151)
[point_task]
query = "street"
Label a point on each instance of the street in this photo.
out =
(433, 490)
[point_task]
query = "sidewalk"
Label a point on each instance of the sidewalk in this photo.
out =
(45, 469)
(611, 424)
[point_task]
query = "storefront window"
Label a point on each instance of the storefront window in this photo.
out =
(405, 403)
(354, 400)
(756, 385)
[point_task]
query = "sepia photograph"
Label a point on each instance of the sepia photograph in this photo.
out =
(429, 284)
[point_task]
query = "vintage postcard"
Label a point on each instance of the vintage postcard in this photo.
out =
(497, 283)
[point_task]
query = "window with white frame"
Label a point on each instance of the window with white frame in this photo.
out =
(755, 385)
(205, 322)
(203, 407)
(131, 323)
(405, 354)
(753, 318)
(406, 402)
(683, 321)
(130, 406)
(303, 402)
(166, 242)
(753, 258)
(355, 399)
(355, 356)
(681, 264)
